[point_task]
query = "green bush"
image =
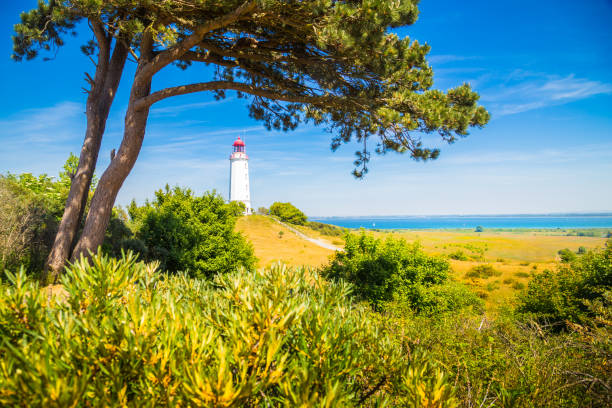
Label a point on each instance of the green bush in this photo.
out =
(286, 212)
(458, 255)
(125, 335)
(566, 255)
(482, 271)
(522, 274)
(564, 295)
(382, 271)
(505, 363)
(30, 210)
(327, 229)
(188, 233)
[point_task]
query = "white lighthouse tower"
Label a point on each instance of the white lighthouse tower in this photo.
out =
(239, 176)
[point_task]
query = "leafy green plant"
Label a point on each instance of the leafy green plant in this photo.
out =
(327, 229)
(566, 255)
(30, 209)
(126, 335)
(482, 271)
(189, 233)
(382, 271)
(458, 255)
(522, 274)
(563, 296)
(505, 363)
(287, 212)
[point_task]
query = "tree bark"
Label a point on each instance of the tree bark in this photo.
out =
(112, 179)
(99, 101)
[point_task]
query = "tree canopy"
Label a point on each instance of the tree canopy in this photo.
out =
(332, 63)
(335, 64)
(287, 212)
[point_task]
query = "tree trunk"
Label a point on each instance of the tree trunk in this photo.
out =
(117, 171)
(99, 101)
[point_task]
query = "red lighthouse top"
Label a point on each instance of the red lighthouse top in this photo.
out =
(238, 145)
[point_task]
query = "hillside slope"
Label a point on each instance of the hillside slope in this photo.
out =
(271, 246)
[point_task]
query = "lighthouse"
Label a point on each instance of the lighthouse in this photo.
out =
(239, 176)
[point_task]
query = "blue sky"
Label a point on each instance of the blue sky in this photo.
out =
(543, 69)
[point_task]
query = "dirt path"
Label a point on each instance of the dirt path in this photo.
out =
(315, 241)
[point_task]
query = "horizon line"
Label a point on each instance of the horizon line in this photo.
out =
(570, 214)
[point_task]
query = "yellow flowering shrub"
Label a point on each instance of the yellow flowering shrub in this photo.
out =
(126, 335)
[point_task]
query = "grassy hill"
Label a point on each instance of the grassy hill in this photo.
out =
(271, 246)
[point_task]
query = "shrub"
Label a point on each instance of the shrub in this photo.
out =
(491, 286)
(382, 271)
(504, 363)
(128, 336)
(521, 274)
(263, 211)
(482, 271)
(288, 213)
(458, 255)
(564, 295)
(327, 229)
(566, 255)
(30, 210)
(189, 233)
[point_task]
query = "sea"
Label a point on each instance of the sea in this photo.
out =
(564, 221)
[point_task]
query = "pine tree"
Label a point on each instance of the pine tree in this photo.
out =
(331, 63)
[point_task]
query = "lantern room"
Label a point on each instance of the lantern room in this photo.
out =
(238, 146)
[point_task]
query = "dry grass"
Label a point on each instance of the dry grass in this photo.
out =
(508, 245)
(515, 255)
(288, 248)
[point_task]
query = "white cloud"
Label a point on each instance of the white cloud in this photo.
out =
(42, 125)
(524, 91)
(177, 109)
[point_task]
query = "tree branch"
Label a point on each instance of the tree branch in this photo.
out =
(217, 60)
(149, 100)
(173, 53)
(103, 50)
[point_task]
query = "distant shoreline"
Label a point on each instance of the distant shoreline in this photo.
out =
(471, 222)
(599, 214)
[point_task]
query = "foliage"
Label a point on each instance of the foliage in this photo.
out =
(26, 227)
(125, 335)
(263, 211)
(287, 212)
(327, 229)
(563, 296)
(299, 61)
(505, 363)
(458, 255)
(482, 271)
(382, 271)
(566, 255)
(30, 209)
(119, 236)
(189, 233)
